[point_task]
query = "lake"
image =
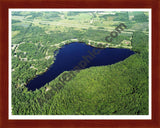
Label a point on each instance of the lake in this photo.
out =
(78, 55)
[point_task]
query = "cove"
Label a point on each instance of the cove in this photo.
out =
(71, 55)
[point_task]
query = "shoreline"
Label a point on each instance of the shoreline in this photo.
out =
(93, 43)
(67, 42)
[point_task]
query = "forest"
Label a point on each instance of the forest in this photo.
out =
(117, 89)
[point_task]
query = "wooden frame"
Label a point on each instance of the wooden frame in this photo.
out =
(5, 5)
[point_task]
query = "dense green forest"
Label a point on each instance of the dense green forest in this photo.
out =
(118, 89)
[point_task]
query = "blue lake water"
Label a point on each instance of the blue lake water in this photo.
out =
(78, 55)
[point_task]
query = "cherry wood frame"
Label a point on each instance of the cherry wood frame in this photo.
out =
(6, 4)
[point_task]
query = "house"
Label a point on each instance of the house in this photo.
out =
(127, 43)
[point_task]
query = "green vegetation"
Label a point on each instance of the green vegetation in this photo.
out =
(118, 89)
